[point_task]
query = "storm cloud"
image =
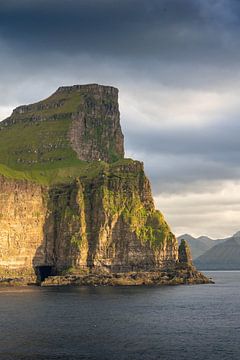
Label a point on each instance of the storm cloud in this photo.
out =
(177, 66)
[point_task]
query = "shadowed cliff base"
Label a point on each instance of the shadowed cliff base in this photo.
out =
(179, 273)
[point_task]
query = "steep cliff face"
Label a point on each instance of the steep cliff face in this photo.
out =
(68, 198)
(95, 132)
(109, 222)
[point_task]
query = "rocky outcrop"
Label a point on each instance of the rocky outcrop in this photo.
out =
(70, 203)
(184, 253)
(170, 277)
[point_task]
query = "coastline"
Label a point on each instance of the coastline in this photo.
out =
(187, 276)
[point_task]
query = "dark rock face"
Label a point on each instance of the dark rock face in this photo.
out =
(95, 133)
(184, 253)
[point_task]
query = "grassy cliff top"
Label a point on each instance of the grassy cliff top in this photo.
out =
(51, 175)
(35, 140)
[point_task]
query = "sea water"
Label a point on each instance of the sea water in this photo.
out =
(170, 322)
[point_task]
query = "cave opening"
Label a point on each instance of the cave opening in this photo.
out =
(44, 271)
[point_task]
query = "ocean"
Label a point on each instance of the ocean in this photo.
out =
(199, 322)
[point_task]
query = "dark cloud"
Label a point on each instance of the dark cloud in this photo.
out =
(179, 43)
(198, 36)
(169, 29)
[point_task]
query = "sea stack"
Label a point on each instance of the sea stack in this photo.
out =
(184, 253)
(73, 209)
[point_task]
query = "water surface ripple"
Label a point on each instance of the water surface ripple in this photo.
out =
(165, 323)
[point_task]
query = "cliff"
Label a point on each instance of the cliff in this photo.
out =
(70, 202)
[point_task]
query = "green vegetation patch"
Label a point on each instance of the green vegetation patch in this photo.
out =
(52, 174)
(36, 146)
(124, 200)
(156, 230)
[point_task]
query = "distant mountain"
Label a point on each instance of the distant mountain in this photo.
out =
(223, 256)
(199, 245)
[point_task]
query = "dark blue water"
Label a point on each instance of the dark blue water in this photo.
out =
(181, 322)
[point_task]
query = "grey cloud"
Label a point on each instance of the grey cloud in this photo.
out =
(187, 174)
(219, 139)
(180, 157)
(213, 212)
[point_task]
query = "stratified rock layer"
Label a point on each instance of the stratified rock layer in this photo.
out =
(22, 219)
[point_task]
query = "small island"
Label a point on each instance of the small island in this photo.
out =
(74, 210)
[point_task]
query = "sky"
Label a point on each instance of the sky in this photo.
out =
(176, 64)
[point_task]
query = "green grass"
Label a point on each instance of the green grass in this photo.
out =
(34, 144)
(38, 138)
(56, 104)
(51, 174)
